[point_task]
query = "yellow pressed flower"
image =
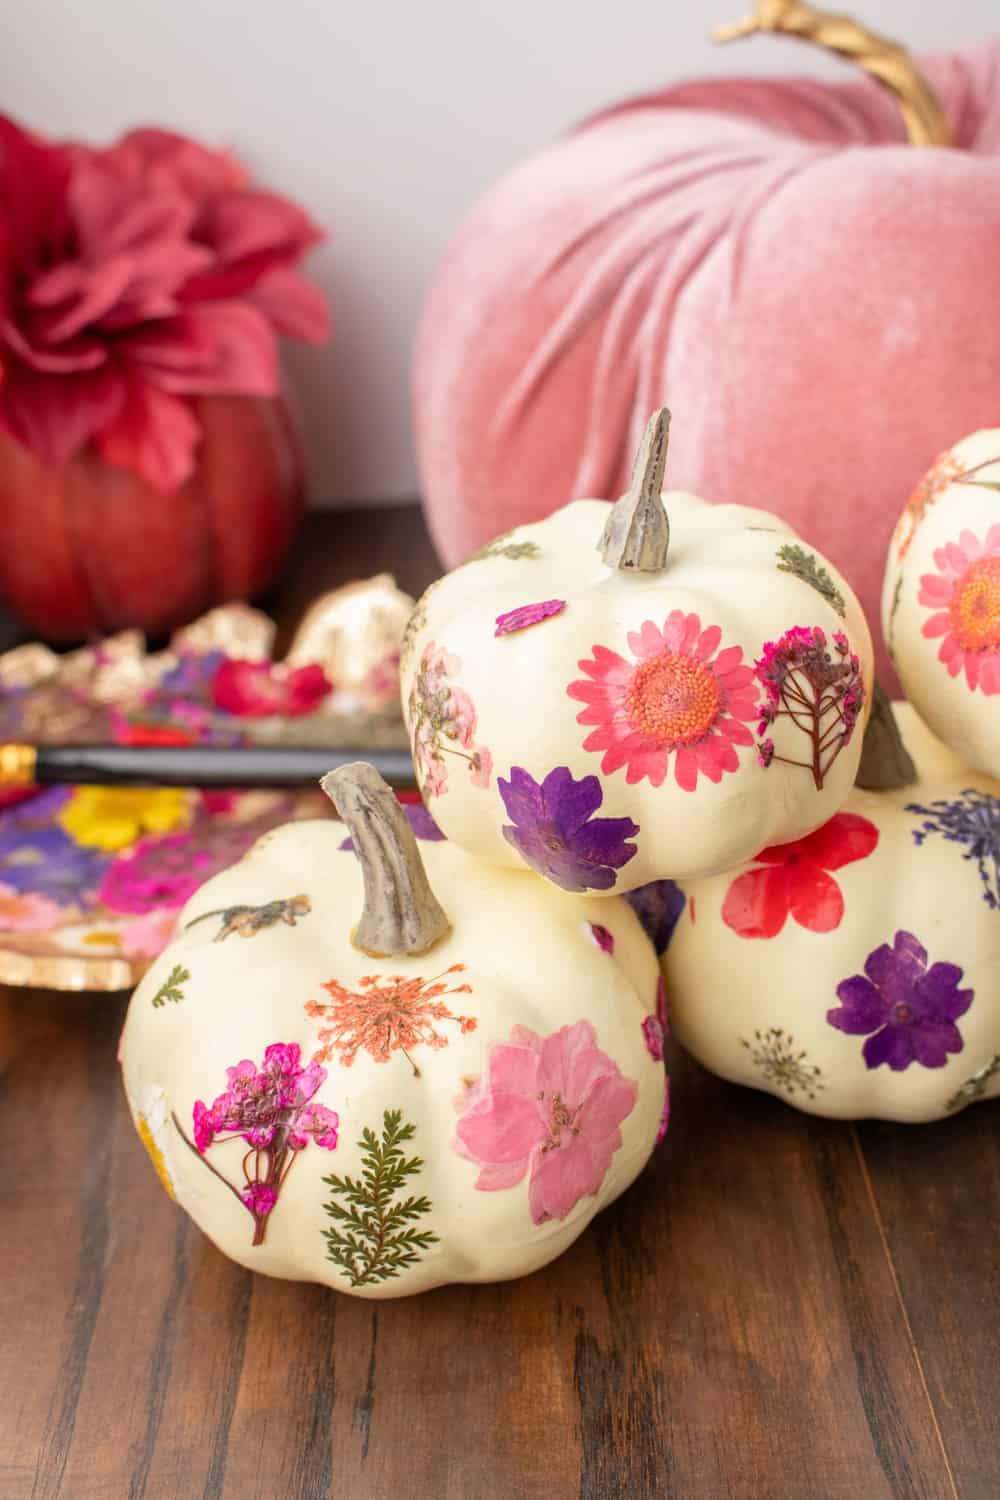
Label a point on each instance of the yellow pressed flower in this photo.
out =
(105, 817)
(155, 1155)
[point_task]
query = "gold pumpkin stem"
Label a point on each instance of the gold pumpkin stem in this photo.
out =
(401, 913)
(886, 61)
(885, 763)
(636, 536)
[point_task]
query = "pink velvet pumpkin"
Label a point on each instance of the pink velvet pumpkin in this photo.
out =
(814, 298)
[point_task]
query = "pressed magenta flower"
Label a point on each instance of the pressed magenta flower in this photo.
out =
(965, 596)
(528, 614)
(818, 691)
(653, 1032)
(602, 937)
(273, 1110)
(682, 696)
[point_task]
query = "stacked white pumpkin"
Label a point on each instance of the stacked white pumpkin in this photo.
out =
(857, 972)
(660, 700)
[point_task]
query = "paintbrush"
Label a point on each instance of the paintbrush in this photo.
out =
(190, 765)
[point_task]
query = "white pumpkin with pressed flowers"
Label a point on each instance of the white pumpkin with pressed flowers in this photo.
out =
(856, 972)
(447, 1092)
(941, 599)
(632, 691)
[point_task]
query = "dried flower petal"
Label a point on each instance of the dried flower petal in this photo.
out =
(528, 614)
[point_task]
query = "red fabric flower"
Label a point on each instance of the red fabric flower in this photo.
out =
(794, 879)
(131, 280)
(254, 689)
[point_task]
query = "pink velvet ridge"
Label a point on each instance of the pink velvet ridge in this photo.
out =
(820, 315)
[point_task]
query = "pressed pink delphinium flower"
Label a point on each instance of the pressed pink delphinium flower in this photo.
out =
(550, 1108)
(820, 692)
(681, 696)
(273, 1109)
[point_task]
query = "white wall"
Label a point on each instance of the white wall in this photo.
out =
(386, 118)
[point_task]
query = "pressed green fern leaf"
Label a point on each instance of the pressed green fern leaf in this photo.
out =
(171, 989)
(372, 1238)
(795, 559)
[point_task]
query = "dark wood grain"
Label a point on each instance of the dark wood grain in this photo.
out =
(780, 1309)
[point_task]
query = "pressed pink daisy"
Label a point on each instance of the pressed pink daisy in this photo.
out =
(680, 695)
(965, 596)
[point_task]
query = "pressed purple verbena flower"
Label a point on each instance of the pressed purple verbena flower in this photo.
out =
(658, 906)
(528, 614)
(907, 1010)
(653, 1033)
(554, 830)
(971, 820)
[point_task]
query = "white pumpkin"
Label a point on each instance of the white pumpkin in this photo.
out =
(583, 697)
(856, 973)
(941, 599)
(431, 1098)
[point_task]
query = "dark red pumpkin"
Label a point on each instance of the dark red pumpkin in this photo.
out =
(89, 549)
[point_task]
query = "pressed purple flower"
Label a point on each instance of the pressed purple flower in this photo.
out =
(419, 819)
(528, 614)
(658, 906)
(653, 1033)
(602, 937)
(907, 1010)
(37, 809)
(554, 830)
(192, 677)
(49, 862)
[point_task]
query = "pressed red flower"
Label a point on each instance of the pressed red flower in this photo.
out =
(256, 689)
(132, 279)
(795, 880)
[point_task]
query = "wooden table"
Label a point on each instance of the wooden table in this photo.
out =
(780, 1309)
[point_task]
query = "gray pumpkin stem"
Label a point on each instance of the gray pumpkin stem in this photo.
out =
(636, 536)
(885, 762)
(401, 913)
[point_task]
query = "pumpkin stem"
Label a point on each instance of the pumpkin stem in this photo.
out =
(401, 913)
(885, 761)
(888, 62)
(636, 535)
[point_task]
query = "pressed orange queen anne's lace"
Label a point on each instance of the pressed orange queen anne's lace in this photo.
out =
(386, 1014)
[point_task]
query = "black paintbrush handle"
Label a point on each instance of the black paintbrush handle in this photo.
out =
(199, 765)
